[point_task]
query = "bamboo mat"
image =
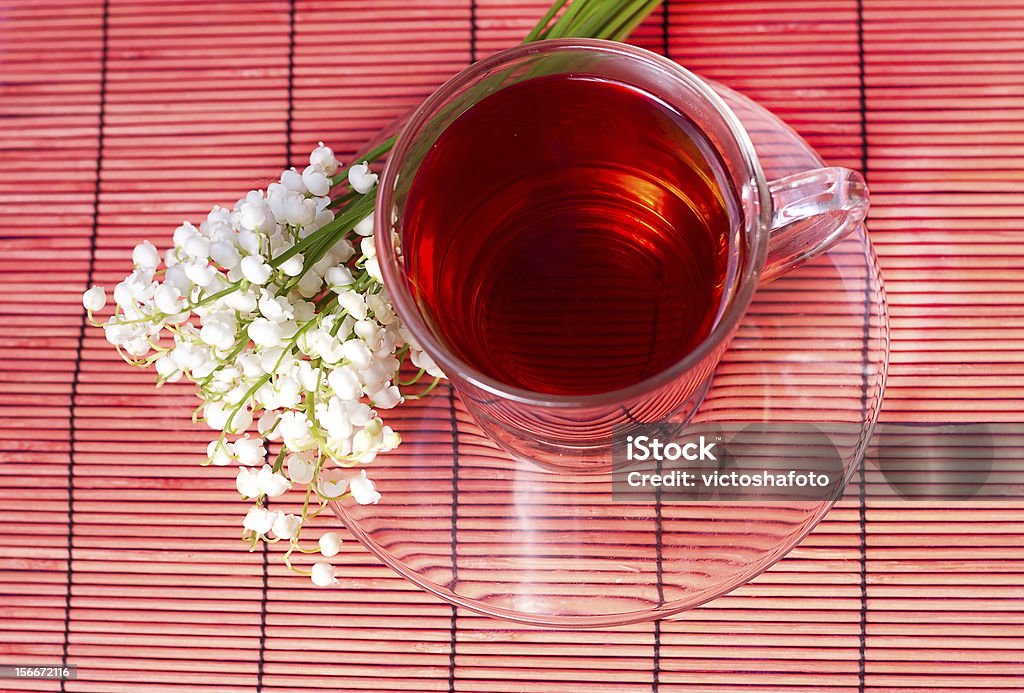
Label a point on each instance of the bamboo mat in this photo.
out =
(121, 118)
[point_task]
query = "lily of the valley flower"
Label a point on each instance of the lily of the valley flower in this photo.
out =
(323, 574)
(94, 299)
(303, 342)
(330, 544)
(286, 526)
(363, 490)
(361, 179)
(259, 520)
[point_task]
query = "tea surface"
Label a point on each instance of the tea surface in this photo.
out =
(569, 235)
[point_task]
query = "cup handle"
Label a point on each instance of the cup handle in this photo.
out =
(812, 211)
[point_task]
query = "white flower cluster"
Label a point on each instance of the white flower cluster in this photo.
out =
(276, 310)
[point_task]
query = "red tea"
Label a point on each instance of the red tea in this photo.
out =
(569, 235)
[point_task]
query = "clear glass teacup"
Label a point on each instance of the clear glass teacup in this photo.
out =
(773, 227)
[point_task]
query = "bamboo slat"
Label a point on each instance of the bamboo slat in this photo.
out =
(121, 118)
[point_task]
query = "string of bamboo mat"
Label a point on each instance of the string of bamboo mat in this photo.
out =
(195, 100)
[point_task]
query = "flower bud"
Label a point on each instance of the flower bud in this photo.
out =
(145, 255)
(94, 299)
(323, 574)
(365, 227)
(390, 439)
(330, 544)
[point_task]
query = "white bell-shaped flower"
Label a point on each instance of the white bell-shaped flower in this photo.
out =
(301, 467)
(255, 269)
(247, 482)
(272, 483)
(220, 454)
(264, 332)
(197, 247)
(372, 267)
(167, 298)
(323, 574)
(323, 157)
(365, 227)
(357, 353)
(295, 430)
(250, 451)
(225, 254)
(293, 265)
(145, 255)
(330, 544)
(259, 520)
(309, 285)
(381, 307)
(386, 398)
(345, 382)
(286, 526)
(316, 181)
(364, 491)
(339, 278)
(94, 299)
(361, 179)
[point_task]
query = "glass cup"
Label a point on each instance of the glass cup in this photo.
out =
(774, 227)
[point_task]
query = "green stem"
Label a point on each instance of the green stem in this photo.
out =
(540, 30)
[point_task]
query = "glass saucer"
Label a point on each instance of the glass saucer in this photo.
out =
(467, 522)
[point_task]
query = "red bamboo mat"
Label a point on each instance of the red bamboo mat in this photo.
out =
(120, 554)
